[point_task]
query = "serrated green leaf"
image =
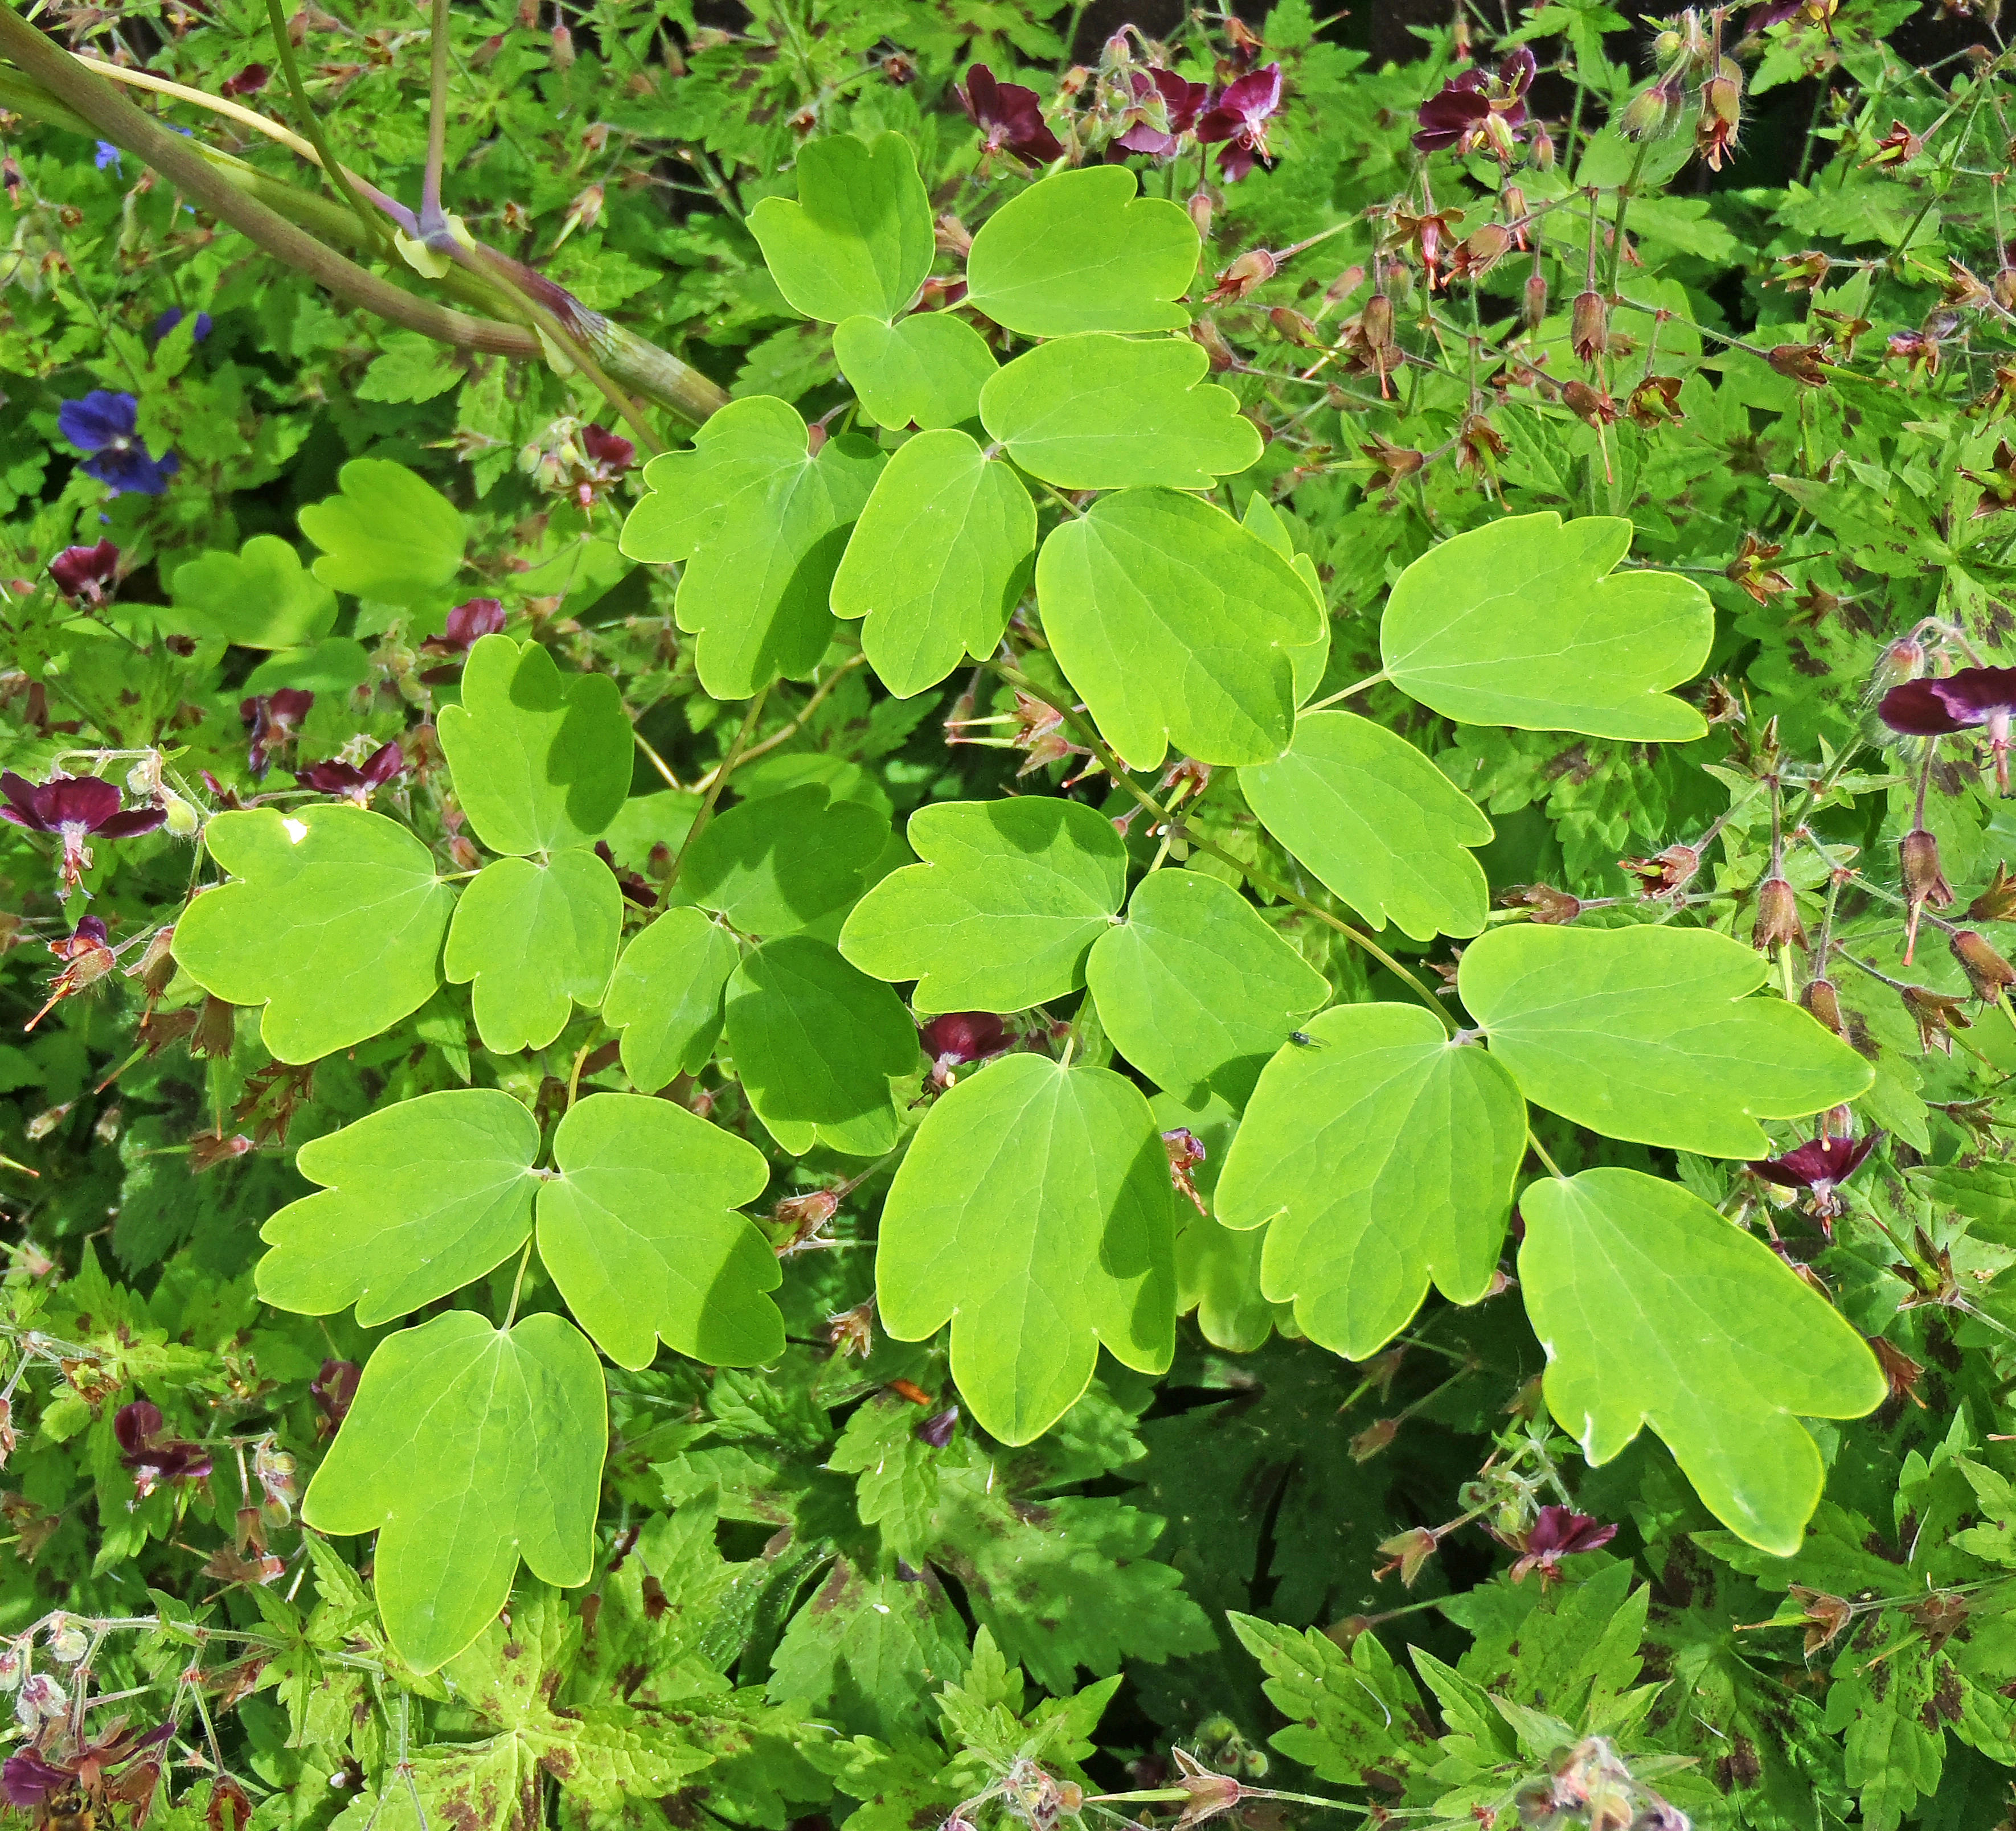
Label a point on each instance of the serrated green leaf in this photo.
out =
(1000, 916)
(761, 523)
(1178, 626)
(333, 920)
(1033, 1212)
(1348, 1712)
(259, 597)
(1650, 1034)
(640, 1232)
(859, 238)
(938, 560)
(925, 370)
(537, 939)
(869, 1649)
(1378, 1155)
(786, 862)
(1103, 412)
(387, 535)
(467, 1448)
(1655, 1310)
(1078, 251)
(1378, 823)
(665, 997)
(1195, 990)
(816, 1042)
(540, 761)
(1526, 622)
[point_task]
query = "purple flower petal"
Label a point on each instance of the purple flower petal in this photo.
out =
(1822, 1164)
(98, 420)
(136, 1425)
(85, 572)
(1934, 707)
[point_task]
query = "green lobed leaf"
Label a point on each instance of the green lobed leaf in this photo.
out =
(1653, 1309)
(388, 535)
(1179, 626)
(537, 939)
(333, 921)
(925, 370)
(1379, 1155)
(466, 1449)
(1525, 623)
(1103, 412)
(1350, 1712)
(540, 761)
(761, 523)
(1033, 1212)
(1195, 990)
(869, 1648)
(860, 238)
(1010, 896)
(665, 997)
(259, 597)
(1377, 822)
(941, 555)
(1079, 251)
(786, 862)
(1649, 1034)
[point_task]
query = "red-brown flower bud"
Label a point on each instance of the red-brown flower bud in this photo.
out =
(1987, 972)
(1924, 883)
(1821, 999)
(1997, 903)
(1777, 916)
(1664, 874)
(1549, 905)
(1533, 301)
(1589, 326)
(1937, 1014)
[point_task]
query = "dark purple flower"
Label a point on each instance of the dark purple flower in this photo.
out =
(27, 1780)
(1009, 116)
(334, 1388)
(172, 317)
(248, 81)
(151, 1457)
(936, 1430)
(467, 624)
(1476, 106)
(334, 777)
(1820, 1166)
(85, 572)
(1165, 106)
(635, 887)
(1972, 697)
(605, 447)
(73, 808)
(964, 1036)
(104, 425)
(271, 720)
(1558, 1533)
(1238, 118)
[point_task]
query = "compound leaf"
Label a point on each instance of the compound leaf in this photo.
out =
(1655, 1310)
(1378, 822)
(666, 994)
(540, 761)
(537, 939)
(466, 1449)
(938, 560)
(1078, 251)
(1033, 1212)
(1648, 1034)
(1103, 412)
(999, 915)
(859, 238)
(1179, 626)
(1524, 623)
(786, 862)
(1379, 1155)
(640, 1233)
(333, 922)
(761, 523)
(259, 597)
(925, 370)
(388, 535)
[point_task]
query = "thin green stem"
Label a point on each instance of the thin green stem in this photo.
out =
(1356, 687)
(1540, 1151)
(728, 764)
(1625, 194)
(432, 221)
(518, 1286)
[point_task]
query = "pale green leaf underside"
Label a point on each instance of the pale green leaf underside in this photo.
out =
(1648, 1034)
(1033, 1212)
(1523, 623)
(388, 535)
(1103, 412)
(938, 562)
(859, 238)
(334, 922)
(1179, 626)
(1378, 823)
(665, 997)
(538, 940)
(259, 597)
(1655, 1310)
(467, 1448)
(925, 370)
(999, 915)
(785, 862)
(1379, 1156)
(1195, 990)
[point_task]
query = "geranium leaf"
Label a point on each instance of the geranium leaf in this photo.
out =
(1009, 897)
(1649, 1034)
(259, 597)
(333, 921)
(1179, 627)
(1653, 1309)
(1525, 623)
(1378, 1155)
(938, 562)
(468, 1447)
(786, 862)
(1195, 990)
(417, 1199)
(1103, 412)
(761, 523)
(1033, 1212)
(1078, 251)
(1378, 822)
(537, 939)
(388, 535)
(540, 761)
(925, 370)
(815, 1043)
(640, 1233)
(666, 994)
(860, 238)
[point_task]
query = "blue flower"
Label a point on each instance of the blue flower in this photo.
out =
(108, 155)
(104, 425)
(172, 317)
